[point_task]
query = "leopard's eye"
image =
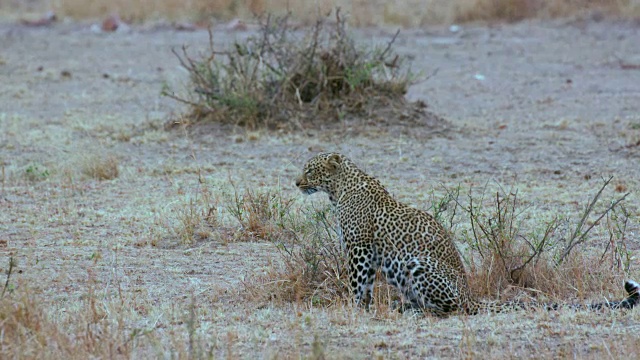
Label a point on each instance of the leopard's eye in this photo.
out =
(308, 172)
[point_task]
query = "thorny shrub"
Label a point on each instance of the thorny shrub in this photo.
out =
(283, 78)
(503, 253)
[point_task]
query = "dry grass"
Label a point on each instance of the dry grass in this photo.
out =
(363, 13)
(515, 10)
(95, 326)
(224, 215)
(142, 10)
(311, 269)
(304, 284)
(100, 166)
(261, 215)
(188, 221)
(30, 330)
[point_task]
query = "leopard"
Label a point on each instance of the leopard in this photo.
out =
(411, 248)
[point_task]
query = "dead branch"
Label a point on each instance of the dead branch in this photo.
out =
(12, 263)
(383, 54)
(536, 250)
(578, 236)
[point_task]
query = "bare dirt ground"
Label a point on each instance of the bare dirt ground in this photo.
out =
(549, 108)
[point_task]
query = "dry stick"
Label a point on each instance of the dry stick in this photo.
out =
(383, 54)
(611, 241)
(473, 219)
(256, 66)
(3, 179)
(505, 224)
(188, 63)
(191, 68)
(6, 284)
(489, 233)
(177, 98)
(609, 244)
(537, 249)
(433, 73)
(583, 237)
(452, 196)
(492, 237)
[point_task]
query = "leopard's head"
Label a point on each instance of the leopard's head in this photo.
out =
(321, 173)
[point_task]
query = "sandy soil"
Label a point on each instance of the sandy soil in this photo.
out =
(549, 108)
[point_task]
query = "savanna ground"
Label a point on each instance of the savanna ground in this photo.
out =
(127, 238)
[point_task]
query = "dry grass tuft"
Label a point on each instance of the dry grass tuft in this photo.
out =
(26, 329)
(262, 215)
(281, 78)
(94, 326)
(100, 167)
(312, 269)
(195, 221)
(188, 221)
(509, 10)
(142, 10)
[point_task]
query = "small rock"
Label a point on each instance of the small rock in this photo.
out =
(114, 23)
(236, 25)
(48, 19)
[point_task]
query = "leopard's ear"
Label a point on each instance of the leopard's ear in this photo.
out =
(334, 161)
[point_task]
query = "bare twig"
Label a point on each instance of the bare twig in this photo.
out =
(3, 179)
(12, 263)
(536, 250)
(617, 237)
(183, 100)
(383, 54)
(579, 236)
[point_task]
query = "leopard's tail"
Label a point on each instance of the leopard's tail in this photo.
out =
(632, 299)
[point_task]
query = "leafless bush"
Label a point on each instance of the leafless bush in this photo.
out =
(284, 78)
(579, 235)
(503, 252)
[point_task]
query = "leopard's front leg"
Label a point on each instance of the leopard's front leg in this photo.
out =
(362, 273)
